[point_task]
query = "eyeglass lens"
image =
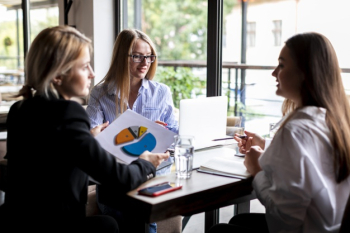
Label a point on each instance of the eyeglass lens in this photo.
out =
(139, 58)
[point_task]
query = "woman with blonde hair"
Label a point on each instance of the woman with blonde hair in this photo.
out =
(302, 178)
(51, 151)
(129, 84)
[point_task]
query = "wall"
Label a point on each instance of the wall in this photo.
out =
(94, 18)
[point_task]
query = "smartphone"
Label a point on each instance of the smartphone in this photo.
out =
(159, 189)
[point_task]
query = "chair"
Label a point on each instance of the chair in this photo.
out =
(345, 224)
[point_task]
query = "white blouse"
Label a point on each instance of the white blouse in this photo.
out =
(297, 183)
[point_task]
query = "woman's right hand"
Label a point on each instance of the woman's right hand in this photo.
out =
(98, 129)
(253, 139)
(154, 158)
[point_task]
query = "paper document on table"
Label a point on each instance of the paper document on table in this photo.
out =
(225, 166)
(128, 136)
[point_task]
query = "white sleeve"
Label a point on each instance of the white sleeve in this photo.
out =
(284, 186)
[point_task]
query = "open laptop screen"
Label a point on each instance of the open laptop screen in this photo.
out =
(204, 118)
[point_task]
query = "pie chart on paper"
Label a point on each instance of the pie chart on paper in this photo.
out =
(143, 140)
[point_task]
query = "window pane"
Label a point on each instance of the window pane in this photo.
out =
(42, 14)
(284, 19)
(41, 17)
(251, 33)
(11, 54)
(179, 31)
(277, 32)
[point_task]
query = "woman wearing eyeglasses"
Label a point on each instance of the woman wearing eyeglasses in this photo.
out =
(129, 84)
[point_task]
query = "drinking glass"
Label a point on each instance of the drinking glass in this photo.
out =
(239, 127)
(184, 151)
(240, 132)
(272, 130)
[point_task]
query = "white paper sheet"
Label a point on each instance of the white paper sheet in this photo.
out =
(164, 137)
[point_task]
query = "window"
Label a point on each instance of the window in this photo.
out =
(179, 32)
(42, 14)
(277, 32)
(251, 34)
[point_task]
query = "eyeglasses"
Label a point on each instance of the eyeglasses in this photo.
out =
(139, 58)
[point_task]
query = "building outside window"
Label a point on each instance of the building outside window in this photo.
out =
(277, 32)
(251, 34)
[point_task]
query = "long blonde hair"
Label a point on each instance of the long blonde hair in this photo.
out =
(323, 87)
(53, 53)
(118, 74)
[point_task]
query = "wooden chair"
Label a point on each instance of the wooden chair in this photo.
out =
(345, 224)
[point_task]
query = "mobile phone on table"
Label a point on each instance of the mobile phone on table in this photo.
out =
(159, 189)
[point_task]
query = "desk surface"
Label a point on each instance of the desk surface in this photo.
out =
(201, 193)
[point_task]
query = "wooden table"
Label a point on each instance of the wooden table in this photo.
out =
(201, 193)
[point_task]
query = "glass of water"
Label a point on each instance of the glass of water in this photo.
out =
(184, 151)
(272, 130)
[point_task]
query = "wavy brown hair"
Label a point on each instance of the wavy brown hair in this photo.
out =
(323, 87)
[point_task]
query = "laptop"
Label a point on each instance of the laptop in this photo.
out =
(205, 119)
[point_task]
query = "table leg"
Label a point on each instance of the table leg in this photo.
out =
(242, 208)
(2, 197)
(210, 219)
(142, 228)
(137, 226)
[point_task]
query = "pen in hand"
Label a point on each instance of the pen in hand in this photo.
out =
(220, 139)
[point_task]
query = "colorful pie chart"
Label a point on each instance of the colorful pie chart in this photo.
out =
(145, 141)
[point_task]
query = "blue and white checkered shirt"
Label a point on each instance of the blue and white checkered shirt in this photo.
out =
(154, 102)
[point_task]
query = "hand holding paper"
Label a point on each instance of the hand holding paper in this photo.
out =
(154, 158)
(131, 134)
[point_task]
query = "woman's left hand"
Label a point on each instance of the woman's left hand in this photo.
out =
(252, 160)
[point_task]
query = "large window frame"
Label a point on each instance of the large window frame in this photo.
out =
(215, 31)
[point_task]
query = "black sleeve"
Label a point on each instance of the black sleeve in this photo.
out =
(87, 154)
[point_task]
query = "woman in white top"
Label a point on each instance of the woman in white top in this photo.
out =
(302, 178)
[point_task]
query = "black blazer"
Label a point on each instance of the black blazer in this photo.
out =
(50, 153)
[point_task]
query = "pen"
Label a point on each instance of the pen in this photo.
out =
(219, 139)
(243, 137)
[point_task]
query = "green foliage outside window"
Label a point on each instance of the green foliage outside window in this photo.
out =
(178, 28)
(182, 82)
(9, 52)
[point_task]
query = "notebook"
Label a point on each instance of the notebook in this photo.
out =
(205, 119)
(220, 161)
